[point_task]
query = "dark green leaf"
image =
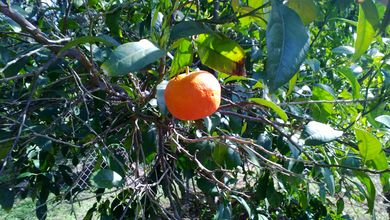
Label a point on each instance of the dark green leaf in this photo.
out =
(221, 54)
(317, 133)
(84, 40)
(329, 180)
(105, 178)
(369, 146)
(287, 44)
(131, 57)
(7, 198)
(243, 203)
(189, 28)
(370, 192)
(368, 22)
(113, 22)
(224, 212)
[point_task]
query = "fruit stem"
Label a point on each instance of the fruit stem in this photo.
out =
(187, 70)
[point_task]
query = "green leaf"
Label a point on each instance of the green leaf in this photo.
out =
(329, 180)
(380, 161)
(131, 57)
(287, 44)
(347, 50)
(384, 119)
(368, 22)
(347, 73)
(183, 56)
(245, 204)
(291, 84)
(84, 40)
(322, 111)
(306, 9)
(224, 212)
(271, 105)
(370, 192)
(369, 146)
(105, 178)
(317, 133)
(222, 54)
(226, 156)
(189, 28)
(113, 21)
(7, 198)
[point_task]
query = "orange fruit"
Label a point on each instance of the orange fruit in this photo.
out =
(192, 96)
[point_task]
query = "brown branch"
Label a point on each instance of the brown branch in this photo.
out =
(41, 38)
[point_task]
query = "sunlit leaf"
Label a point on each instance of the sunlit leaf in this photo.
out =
(347, 73)
(368, 22)
(287, 44)
(306, 9)
(271, 105)
(183, 56)
(370, 192)
(221, 54)
(369, 146)
(384, 119)
(317, 133)
(131, 57)
(329, 180)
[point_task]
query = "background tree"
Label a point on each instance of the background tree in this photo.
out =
(302, 128)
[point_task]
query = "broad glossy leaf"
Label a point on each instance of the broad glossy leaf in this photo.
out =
(347, 73)
(105, 178)
(370, 192)
(183, 56)
(7, 198)
(329, 180)
(317, 133)
(369, 145)
(189, 28)
(222, 54)
(131, 57)
(380, 161)
(306, 9)
(384, 119)
(287, 44)
(368, 22)
(271, 105)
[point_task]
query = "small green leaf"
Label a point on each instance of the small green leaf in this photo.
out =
(131, 57)
(368, 22)
(370, 192)
(271, 105)
(347, 73)
(287, 44)
(222, 54)
(384, 119)
(306, 9)
(105, 178)
(317, 133)
(291, 84)
(7, 198)
(369, 146)
(84, 40)
(183, 56)
(189, 28)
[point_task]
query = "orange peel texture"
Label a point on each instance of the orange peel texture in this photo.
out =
(192, 96)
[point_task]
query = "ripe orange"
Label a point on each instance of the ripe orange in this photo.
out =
(192, 96)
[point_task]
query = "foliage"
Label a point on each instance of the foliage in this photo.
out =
(303, 125)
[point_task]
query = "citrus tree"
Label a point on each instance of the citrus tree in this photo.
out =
(297, 128)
